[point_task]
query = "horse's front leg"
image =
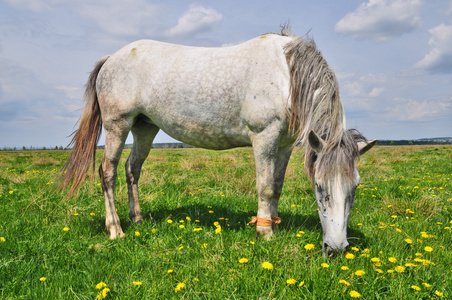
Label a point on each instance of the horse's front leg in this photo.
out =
(271, 163)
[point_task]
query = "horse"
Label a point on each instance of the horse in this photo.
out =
(272, 92)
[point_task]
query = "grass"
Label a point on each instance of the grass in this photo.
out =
(58, 249)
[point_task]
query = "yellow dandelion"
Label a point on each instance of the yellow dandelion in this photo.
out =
(439, 294)
(218, 229)
(197, 229)
(65, 228)
(181, 226)
(243, 260)
(426, 284)
(379, 271)
(355, 249)
(137, 283)
(309, 246)
(2, 239)
(291, 281)
(169, 221)
(188, 219)
(392, 259)
(399, 269)
(349, 255)
(359, 273)
(76, 214)
(355, 294)
(101, 285)
(408, 241)
(344, 282)
(137, 233)
(170, 271)
(92, 214)
(325, 265)
(415, 287)
(375, 259)
(390, 271)
(345, 268)
(42, 279)
(267, 265)
(103, 293)
(428, 249)
(179, 286)
(204, 245)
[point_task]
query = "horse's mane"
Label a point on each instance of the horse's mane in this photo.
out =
(316, 105)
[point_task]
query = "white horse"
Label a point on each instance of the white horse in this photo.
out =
(272, 93)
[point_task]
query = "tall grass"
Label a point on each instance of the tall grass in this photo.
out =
(193, 238)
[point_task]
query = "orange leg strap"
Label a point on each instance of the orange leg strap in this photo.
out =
(264, 222)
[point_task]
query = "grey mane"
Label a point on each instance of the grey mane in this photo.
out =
(316, 105)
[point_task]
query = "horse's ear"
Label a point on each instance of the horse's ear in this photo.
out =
(315, 141)
(363, 147)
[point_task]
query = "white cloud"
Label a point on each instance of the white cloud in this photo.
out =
(439, 59)
(196, 19)
(381, 19)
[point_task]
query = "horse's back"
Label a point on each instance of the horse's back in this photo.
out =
(209, 97)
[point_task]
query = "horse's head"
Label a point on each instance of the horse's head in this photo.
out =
(335, 179)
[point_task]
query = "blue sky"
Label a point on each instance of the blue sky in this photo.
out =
(393, 58)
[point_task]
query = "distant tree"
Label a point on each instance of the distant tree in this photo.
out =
(61, 148)
(44, 148)
(24, 148)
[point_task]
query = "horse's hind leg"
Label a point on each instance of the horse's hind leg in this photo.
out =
(143, 135)
(115, 137)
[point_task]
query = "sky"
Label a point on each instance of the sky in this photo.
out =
(392, 58)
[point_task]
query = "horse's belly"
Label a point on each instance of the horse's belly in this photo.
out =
(199, 127)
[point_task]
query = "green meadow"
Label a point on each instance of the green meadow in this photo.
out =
(194, 242)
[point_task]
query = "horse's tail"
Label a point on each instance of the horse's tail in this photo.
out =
(85, 138)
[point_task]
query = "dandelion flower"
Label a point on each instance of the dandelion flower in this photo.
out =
(379, 271)
(415, 287)
(2, 239)
(408, 241)
(345, 268)
(375, 259)
(392, 259)
(301, 283)
(137, 283)
(267, 265)
(399, 269)
(101, 285)
(170, 271)
(65, 228)
(103, 293)
(355, 294)
(243, 260)
(439, 294)
(169, 221)
(291, 281)
(325, 265)
(181, 226)
(349, 255)
(426, 284)
(179, 286)
(42, 279)
(188, 219)
(204, 245)
(137, 233)
(197, 229)
(428, 249)
(355, 249)
(344, 282)
(218, 229)
(360, 273)
(309, 246)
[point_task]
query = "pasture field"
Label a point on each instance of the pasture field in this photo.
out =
(194, 242)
